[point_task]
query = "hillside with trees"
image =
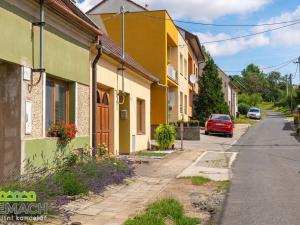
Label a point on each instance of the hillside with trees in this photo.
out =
(257, 86)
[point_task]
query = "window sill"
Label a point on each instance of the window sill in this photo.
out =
(140, 134)
(50, 138)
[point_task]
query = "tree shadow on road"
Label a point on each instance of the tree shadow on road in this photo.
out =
(289, 127)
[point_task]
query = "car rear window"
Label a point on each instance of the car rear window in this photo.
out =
(254, 110)
(220, 117)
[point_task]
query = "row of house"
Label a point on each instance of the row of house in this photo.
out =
(60, 64)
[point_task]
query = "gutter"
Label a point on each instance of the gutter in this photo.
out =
(56, 5)
(94, 99)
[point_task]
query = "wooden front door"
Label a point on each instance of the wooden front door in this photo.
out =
(102, 118)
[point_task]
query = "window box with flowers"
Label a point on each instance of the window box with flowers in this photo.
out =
(64, 133)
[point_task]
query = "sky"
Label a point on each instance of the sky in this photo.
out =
(264, 50)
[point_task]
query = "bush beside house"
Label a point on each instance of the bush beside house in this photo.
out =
(165, 136)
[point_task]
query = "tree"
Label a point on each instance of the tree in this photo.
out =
(255, 80)
(271, 87)
(276, 87)
(210, 98)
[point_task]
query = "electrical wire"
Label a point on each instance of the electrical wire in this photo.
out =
(221, 25)
(295, 74)
(267, 67)
(250, 35)
(292, 23)
(283, 66)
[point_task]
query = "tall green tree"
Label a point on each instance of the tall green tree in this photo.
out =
(255, 80)
(210, 98)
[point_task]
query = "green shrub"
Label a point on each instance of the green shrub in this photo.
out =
(165, 136)
(243, 108)
(194, 123)
(102, 150)
(191, 123)
(70, 160)
(251, 100)
(71, 182)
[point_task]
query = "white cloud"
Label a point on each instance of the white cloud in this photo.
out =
(206, 10)
(289, 36)
(286, 37)
(233, 46)
(199, 10)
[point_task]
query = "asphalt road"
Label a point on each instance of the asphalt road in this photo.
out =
(266, 184)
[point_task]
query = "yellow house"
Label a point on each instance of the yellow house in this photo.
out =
(152, 39)
(123, 102)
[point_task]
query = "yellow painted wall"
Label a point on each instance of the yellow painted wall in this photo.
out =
(136, 87)
(146, 39)
(124, 128)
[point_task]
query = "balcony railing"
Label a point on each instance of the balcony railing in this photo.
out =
(172, 73)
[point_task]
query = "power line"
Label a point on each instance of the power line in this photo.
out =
(280, 65)
(221, 25)
(295, 74)
(249, 35)
(295, 22)
(283, 66)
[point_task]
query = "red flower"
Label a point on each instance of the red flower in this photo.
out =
(66, 132)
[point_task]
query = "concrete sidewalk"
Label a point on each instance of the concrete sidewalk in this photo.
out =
(122, 203)
(119, 203)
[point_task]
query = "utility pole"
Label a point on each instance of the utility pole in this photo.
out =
(291, 91)
(287, 85)
(298, 64)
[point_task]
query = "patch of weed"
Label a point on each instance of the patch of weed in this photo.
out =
(160, 211)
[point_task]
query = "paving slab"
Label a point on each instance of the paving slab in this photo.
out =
(213, 165)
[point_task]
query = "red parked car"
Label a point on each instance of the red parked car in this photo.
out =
(219, 124)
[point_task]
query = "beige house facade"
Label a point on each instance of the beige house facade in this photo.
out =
(230, 93)
(126, 116)
(178, 95)
(196, 58)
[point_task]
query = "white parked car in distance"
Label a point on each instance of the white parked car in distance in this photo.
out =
(254, 113)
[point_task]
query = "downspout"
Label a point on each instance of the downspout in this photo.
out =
(94, 99)
(41, 24)
(122, 11)
(42, 16)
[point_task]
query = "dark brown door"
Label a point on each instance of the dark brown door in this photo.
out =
(103, 118)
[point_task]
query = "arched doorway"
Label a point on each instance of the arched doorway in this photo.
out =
(103, 118)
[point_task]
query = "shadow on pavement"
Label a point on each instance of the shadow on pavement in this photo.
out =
(288, 126)
(277, 115)
(275, 145)
(296, 136)
(218, 135)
